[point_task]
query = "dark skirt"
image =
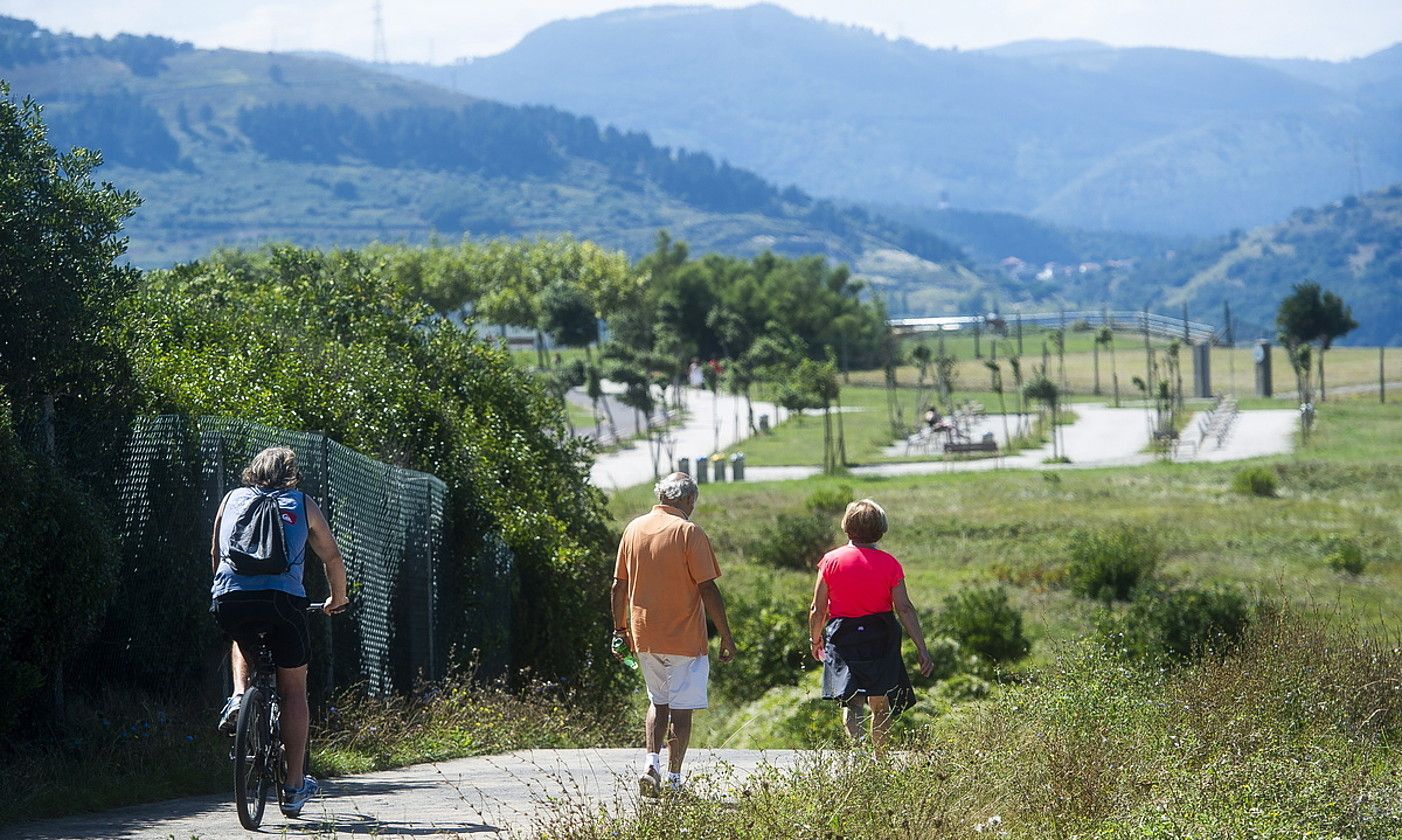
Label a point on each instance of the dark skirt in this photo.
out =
(863, 658)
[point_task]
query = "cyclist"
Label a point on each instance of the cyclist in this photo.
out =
(247, 605)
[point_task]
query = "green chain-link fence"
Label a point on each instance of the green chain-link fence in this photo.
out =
(389, 523)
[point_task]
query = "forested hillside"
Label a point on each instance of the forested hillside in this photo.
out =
(1353, 247)
(1157, 140)
(230, 147)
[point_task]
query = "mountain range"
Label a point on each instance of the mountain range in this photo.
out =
(1156, 140)
(228, 147)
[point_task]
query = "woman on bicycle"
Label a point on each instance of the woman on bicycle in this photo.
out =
(247, 605)
(852, 625)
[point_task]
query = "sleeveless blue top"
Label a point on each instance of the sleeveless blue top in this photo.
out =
(294, 527)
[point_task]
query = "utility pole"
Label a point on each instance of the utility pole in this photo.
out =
(1382, 378)
(380, 51)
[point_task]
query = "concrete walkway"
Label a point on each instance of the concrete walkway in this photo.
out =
(491, 796)
(1100, 437)
(696, 436)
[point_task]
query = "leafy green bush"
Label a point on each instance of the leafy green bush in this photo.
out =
(57, 561)
(1108, 563)
(1177, 624)
(1345, 556)
(797, 541)
(304, 339)
(963, 687)
(983, 621)
(1256, 481)
(829, 500)
(773, 645)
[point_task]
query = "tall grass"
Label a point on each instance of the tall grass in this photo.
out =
(1293, 734)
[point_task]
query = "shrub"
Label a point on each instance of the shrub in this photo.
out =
(983, 621)
(948, 656)
(1345, 556)
(797, 541)
(1256, 481)
(963, 687)
(773, 647)
(57, 561)
(1179, 624)
(829, 500)
(1108, 563)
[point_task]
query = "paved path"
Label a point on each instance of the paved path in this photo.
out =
(1100, 437)
(493, 796)
(695, 437)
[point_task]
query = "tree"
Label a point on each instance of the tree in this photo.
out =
(921, 356)
(995, 372)
(567, 316)
(1336, 321)
(60, 239)
(1043, 389)
(1106, 337)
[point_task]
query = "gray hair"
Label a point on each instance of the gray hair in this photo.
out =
(275, 468)
(676, 487)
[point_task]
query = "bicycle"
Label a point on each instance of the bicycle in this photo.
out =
(259, 755)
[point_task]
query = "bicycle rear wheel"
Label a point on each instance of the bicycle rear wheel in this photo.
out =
(252, 740)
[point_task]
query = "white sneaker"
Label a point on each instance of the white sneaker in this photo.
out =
(650, 783)
(674, 783)
(293, 801)
(229, 716)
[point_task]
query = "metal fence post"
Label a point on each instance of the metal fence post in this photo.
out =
(326, 510)
(432, 583)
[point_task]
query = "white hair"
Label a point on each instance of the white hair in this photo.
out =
(676, 487)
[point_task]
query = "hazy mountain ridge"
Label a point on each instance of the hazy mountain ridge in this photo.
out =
(232, 147)
(1149, 139)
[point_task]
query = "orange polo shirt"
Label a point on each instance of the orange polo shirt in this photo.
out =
(664, 558)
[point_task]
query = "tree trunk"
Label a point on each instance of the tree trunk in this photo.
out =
(1095, 362)
(1114, 375)
(613, 427)
(1322, 395)
(841, 436)
(827, 439)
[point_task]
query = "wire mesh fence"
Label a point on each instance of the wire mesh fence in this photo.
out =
(389, 522)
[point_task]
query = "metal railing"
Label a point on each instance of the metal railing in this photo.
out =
(1122, 320)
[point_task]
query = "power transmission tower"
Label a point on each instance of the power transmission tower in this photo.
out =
(381, 51)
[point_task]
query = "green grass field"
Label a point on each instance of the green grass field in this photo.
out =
(1232, 370)
(1014, 528)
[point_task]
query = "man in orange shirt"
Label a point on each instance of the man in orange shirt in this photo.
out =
(664, 589)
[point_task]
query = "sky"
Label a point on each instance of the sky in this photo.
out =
(440, 31)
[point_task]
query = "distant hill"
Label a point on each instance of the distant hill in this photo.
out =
(1353, 247)
(1078, 133)
(229, 147)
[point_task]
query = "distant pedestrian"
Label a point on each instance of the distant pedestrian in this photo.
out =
(664, 589)
(695, 376)
(854, 626)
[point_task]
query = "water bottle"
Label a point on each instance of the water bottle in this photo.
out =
(620, 647)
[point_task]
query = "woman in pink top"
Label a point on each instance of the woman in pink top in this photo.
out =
(853, 629)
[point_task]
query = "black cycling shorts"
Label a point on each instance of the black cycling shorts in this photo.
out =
(244, 615)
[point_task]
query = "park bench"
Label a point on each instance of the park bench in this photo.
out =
(972, 446)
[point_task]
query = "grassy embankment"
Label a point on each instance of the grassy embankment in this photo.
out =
(1293, 734)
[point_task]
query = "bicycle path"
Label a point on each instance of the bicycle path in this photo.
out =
(507, 795)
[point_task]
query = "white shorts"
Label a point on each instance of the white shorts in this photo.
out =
(676, 681)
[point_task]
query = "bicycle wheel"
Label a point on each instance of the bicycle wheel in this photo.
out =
(251, 744)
